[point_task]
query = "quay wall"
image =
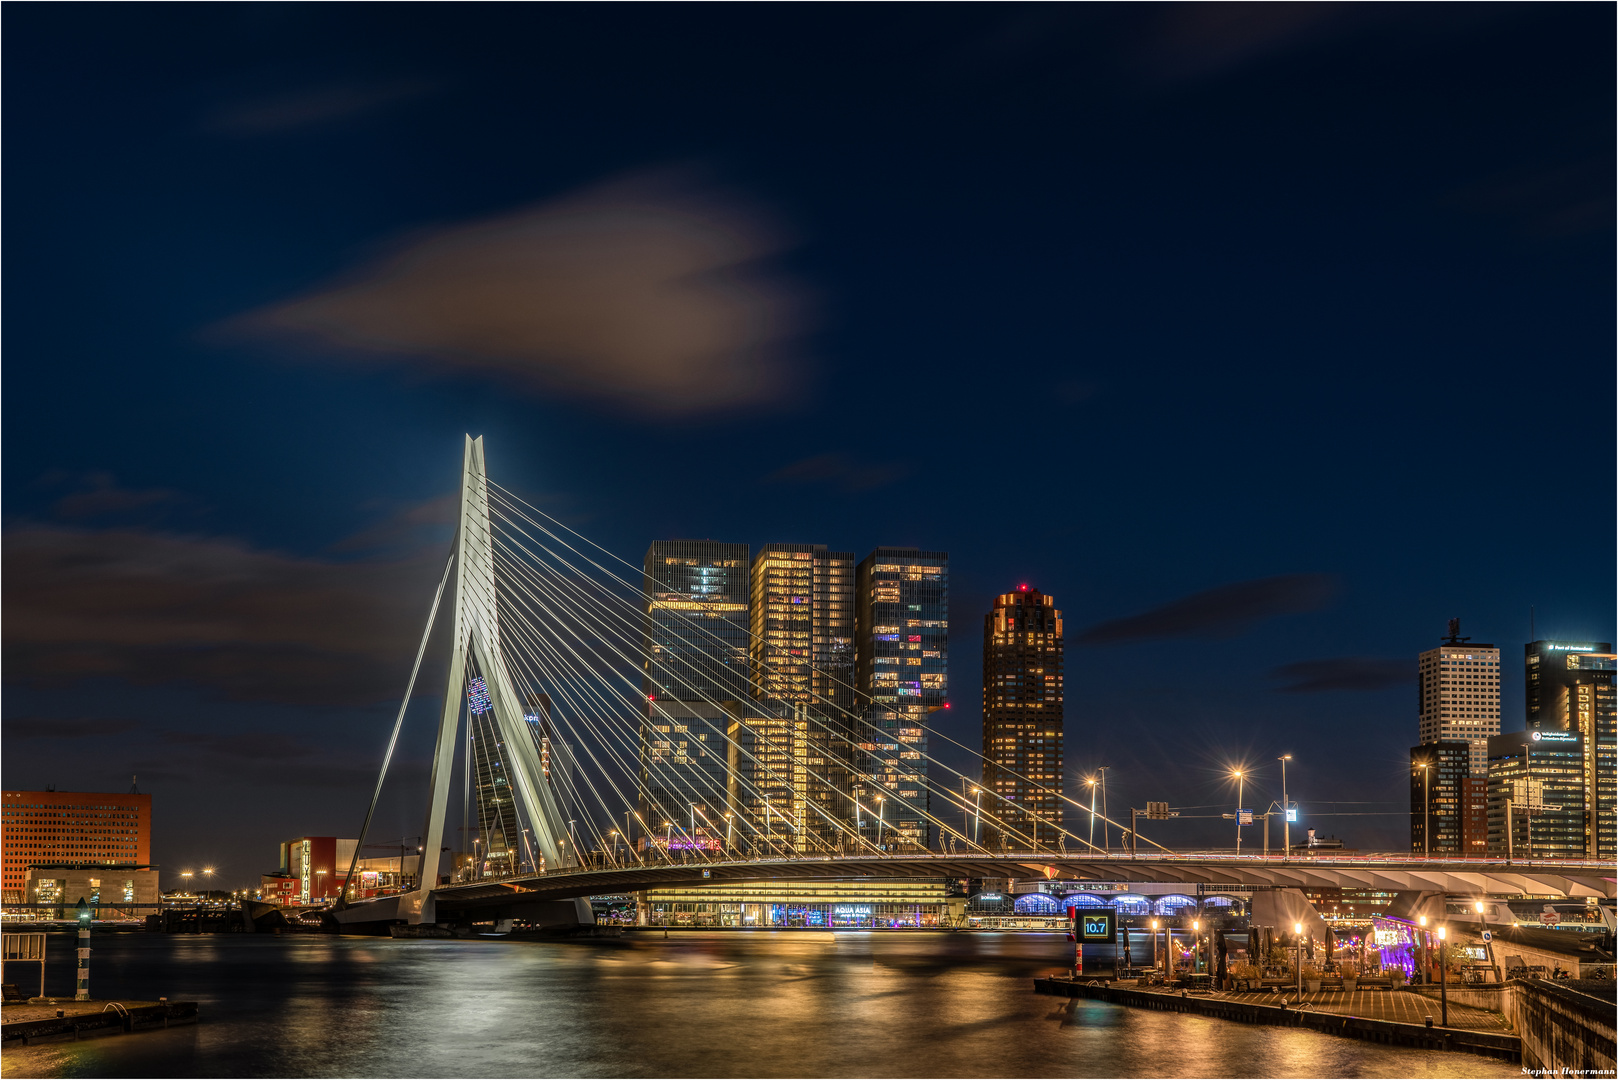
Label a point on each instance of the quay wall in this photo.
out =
(1563, 1030)
(1483, 1043)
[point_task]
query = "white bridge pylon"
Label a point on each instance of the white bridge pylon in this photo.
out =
(477, 632)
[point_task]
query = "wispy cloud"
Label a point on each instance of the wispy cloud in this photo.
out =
(405, 525)
(99, 496)
(1353, 673)
(244, 622)
(1221, 612)
(312, 106)
(841, 471)
(1545, 203)
(648, 292)
(44, 727)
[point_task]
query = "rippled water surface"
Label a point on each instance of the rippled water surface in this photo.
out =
(737, 1004)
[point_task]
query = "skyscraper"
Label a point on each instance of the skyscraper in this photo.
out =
(1569, 688)
(1458, 695)
(695, 642)
(1022, 720)
(803, 670)
(902, 674)
(1439, 772)
(1540, 774)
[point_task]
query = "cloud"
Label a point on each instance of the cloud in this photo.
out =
(312, 107)
(405, 525)
(1190, 41)
(43, 727)
(839, 470)
(271, 745)
(1222, 612)
(102, 497)
(1545, 203)
(245, 622)
(647, 292)
(1355, 673)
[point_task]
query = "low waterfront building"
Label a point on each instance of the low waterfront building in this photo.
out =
(112, 893)
(867, 903)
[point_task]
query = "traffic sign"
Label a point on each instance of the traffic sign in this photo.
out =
(1487, 936)
(1160, 810)
(1244, 817)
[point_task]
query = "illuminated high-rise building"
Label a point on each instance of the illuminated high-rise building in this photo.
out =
(1568, 687)
(1537, 795)
(1022, 721)
(902, 674)
(93, 829)
(1458, 695)
(1439, 775)
(803, 669)
(696, 594)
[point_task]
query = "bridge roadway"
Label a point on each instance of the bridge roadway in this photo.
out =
(1391, 873)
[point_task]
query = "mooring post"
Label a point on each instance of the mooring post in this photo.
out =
(83, 992)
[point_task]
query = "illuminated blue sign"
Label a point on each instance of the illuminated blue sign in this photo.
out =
(1292, 813)
(477, 696)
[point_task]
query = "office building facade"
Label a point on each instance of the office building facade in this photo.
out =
(1439, 774)
(94, 829)
(697, 595)
(1568, 687)
(1537, 795)
(802, 663)
(902, 674)
(1458, 696)
(1022, 721)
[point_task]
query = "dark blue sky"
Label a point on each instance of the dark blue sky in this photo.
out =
(1309, 305)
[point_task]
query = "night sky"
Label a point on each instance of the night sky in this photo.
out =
(1266, 338)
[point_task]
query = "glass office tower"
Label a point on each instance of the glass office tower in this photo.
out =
(1569, 688)
(803, 671)
(696, 594)
(902, 672)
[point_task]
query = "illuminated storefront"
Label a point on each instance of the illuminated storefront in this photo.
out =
(873, 904)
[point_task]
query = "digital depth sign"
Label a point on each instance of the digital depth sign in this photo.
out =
(1096, 925)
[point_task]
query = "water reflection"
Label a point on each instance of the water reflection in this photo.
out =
(717, 1004)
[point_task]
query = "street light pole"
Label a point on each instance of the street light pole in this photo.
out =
(880, 804)
(1297, 959)
(1106, 838)
(1286, 811)
(1443, 978)
(977, 818)
(1240, 781)
(1427, 807)
(1091, 781)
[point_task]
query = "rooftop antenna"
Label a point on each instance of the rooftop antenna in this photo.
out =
(133, 790)
(1531, 636)
(1455, 637)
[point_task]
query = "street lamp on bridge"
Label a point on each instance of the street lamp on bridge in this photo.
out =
(1427, 806)
(1240, 780)
(1286, 810)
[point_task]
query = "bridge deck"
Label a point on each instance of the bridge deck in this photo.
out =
(1385, 872)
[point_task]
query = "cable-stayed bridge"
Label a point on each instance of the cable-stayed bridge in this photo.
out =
(562, 711)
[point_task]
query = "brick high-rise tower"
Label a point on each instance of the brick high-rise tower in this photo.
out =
(1022, 721)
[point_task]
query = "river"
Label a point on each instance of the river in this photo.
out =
(699, 1004)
